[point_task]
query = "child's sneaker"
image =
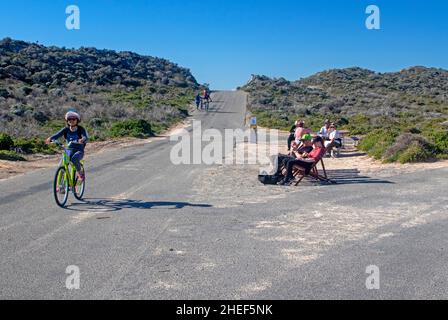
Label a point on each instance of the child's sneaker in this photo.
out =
(81, 176)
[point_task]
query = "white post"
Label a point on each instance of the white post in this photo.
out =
(253, 130)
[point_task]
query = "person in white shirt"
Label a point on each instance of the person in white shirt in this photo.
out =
(324, 130)
(334, 139)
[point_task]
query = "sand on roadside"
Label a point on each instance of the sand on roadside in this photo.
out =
(218, 183)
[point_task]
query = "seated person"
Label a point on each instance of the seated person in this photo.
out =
(306, 161)
(280, 160)
(306, 144)
(301, 130)
(324, 130)
(334, 139)
(291, 136)
(297, 150)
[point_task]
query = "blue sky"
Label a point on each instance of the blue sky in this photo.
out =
(223, 42)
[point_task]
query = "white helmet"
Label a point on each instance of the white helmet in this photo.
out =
(72, 114)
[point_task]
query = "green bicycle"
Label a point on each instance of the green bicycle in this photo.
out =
(66, 179)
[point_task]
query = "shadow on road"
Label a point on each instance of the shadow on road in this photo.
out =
(351, 154)
(352, 176)
(217, 111)
(108, 205)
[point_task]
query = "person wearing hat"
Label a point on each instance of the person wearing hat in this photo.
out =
(76, 138)
(324, 130)
(301, 130)
(306, 144)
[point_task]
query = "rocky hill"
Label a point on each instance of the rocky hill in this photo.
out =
(354, 91)
(38, 84)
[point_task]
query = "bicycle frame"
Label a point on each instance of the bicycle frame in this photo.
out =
(69, 169)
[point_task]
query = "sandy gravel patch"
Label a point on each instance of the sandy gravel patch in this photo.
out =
(235, 185)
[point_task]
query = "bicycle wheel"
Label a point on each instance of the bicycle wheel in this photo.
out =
(80, 186)
(60, 187)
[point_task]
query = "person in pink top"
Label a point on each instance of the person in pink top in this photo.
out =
(301, 130)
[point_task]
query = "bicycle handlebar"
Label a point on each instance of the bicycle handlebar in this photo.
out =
(61, 145)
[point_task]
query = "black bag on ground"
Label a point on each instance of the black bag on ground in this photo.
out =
(269, 179)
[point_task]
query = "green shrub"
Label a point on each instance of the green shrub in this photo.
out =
(6, 142)
(414, 130)
(415, 152)
(359, 124)
(275, 120)
(97, 129)
(409, 147)
(53, 126)
(178, 101)
(4, 93)
(10, 156)
(33, 145)
(158, 127)
(137, 98)
(131, 128)
(377, 142)
(316, 122)
(26, 90)
(436, 133)
(440, 139)
(96, 122)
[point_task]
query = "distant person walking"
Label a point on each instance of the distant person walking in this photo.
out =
(198, 100)
(207, 96)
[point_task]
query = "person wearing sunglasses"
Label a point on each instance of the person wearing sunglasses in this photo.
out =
(76, 138)
(334, 140)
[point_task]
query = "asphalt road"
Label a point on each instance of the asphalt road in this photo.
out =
(141, 235)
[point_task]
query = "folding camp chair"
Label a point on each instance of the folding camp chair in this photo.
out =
(300, 173)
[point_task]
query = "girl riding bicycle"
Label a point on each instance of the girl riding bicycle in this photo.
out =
(76, 138)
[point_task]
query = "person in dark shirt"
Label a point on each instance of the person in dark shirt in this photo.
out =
(306, 144)
(198, 100)
(296, 152)
(76, 138)
(207, 97)
(306, 161)
(292, 137)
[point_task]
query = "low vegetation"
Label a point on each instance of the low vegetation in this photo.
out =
(10, 156)
(117, 93)
(131, 128)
